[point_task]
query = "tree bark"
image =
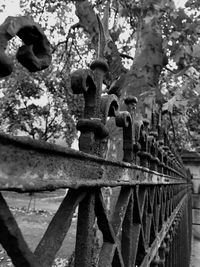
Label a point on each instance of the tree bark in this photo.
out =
(88, 21)
(142, 79)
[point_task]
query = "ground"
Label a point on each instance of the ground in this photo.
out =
(33, 222)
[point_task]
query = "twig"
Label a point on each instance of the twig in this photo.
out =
(57, 45)
(31, 132)
(46, 128)
(126, 56)
(73, 27)
(50, 135)
(184, 74)
(53, 119)
(170, 117)
(77, 50)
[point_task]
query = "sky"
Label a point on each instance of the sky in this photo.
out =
(180, 3)
(12, 8)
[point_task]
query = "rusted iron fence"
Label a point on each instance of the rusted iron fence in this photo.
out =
(150, 221)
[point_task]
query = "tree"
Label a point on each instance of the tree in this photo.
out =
(182, 89)
(166, 46)
(34, 104)
(161, 45)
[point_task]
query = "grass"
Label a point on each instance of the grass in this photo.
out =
(34, 222)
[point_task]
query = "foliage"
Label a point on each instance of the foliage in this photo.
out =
(38, 104)
(35, 105)
(181, 79)
(42, 105)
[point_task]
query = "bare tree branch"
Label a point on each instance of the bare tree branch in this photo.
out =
(73, 27)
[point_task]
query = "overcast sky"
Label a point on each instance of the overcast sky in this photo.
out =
(12, 8)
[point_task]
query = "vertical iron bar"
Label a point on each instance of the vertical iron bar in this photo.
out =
(127, 236)
(85, 232)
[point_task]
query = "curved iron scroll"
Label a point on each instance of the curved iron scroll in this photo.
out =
(35, 54)
(97, 107)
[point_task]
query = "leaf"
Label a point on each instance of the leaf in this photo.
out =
(193, 73)
(197, 88)
(180, 53)
(175, 35)
(181, 103)
(148, 19)
(188, 49)
(196, 50)
(176, 101)
(168, 106)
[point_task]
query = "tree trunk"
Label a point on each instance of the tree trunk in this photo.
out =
(142, 79)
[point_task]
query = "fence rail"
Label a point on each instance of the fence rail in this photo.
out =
(29, 165)
(149, 221)
(150, 224)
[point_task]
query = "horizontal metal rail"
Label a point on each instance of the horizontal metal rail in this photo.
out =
(29, 165)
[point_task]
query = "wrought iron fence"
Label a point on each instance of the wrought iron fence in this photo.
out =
(150, 222)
